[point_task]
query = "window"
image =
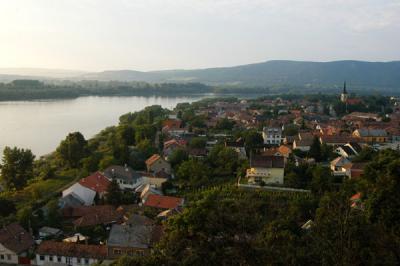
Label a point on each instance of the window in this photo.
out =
(41, 257)
(140, 252)
(78, 260)
(86, 261)
(117, 251)
(2, 257)
(50, 258)
(59, 259)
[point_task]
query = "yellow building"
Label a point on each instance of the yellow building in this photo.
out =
(371, 135)
(267, 169)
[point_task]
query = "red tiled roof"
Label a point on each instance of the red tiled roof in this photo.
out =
(172, 123)
(85, 210)
(163, 202)
(107, 216)
(15, 238)
(152, 159)
(97, 182)
(267, 161)
(72, 250)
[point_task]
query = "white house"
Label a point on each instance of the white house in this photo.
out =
(15, 243)
(125, 176)
(82, 193)
(272, 135)
(338, 164)
(71, 254)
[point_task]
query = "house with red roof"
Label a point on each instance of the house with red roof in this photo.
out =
(15, 243)
(156, 164)
(172, 145)
(163, 202)
(96, 182)
(85, 190)
(61, 253)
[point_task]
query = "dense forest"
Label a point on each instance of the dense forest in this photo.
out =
(56, 89)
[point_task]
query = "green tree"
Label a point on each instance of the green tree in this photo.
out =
(53, 217)
(7, 207)
(197, 143)
(223, 161)
(253, 139)
(114, 194)
(177, 157)
(315, 149)
(73, 149)
(16, 167)
(193, 173)
(225, 124)
(146, 148)
(26, 218)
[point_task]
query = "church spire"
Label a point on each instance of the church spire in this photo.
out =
(344, 88)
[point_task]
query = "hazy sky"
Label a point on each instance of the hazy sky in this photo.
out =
(166, 34)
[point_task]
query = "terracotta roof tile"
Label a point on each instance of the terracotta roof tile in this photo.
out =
(15, 238)
(72, 250)
(97, 182)
(152, 159)
(163, 202)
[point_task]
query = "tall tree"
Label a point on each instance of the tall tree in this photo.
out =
(16, 167)
(114, 194)
(73, 149)
(315, 149)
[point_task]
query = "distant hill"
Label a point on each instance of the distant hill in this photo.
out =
(300, 73)
(271, 73)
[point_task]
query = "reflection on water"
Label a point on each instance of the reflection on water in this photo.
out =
(41, 125)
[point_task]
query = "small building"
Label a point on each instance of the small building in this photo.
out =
(71, 254)
(337, 166)
(46, 232)
(125, 176)
(172, 145)
(157, 164)
(15, 243)
(103, 216)
(371, 135)
(345, 151)
(85, 191)
(96, 182)
(136, 237)
(163, 202)
(238, 147)
(354, 170)
(302, 144)
(80, 193)
(268, 169)
(272, 135)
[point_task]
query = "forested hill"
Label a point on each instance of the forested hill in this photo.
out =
(274, 73)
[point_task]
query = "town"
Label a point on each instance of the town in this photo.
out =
(248, 178)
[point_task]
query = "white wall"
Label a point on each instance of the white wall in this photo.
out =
(7, 256)
(73, 260)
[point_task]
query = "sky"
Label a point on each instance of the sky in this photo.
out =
(95, 35)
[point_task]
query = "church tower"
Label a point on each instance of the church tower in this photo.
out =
(344, 96)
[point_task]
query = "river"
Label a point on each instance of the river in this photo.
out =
(41, 125)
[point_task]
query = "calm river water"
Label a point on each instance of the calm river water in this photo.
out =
(41, 125)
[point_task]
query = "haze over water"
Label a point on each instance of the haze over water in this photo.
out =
(41, 125)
